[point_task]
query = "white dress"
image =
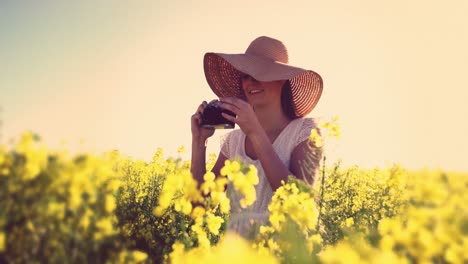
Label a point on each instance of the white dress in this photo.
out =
(247, 221)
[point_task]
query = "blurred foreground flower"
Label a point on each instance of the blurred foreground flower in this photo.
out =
(231, 249)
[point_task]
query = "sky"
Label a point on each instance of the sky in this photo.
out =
(127, 75)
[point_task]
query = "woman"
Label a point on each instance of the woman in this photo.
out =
(270, 99)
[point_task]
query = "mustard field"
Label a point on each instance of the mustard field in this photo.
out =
(87, 208)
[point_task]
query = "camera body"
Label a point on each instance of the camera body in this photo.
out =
(212, 117)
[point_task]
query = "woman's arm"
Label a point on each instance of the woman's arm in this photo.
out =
(274, 168)
(305, 161)
(198, 163)
(200, 136)
(303, 165)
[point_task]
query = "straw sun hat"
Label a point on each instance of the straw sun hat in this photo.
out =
(266, 59)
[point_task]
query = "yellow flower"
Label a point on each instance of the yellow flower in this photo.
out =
(341, 253)
(177, 255)
(4, 171)
(235, 166)
(158, 211)
(56, 209)
(312, 241)
(110, 203)
(316, 138)
(252, 176)
(85, 219)
(276, 219)
(209, 176)
(214, 223)
(387, 243)
(209, 185)
(242, 183)
(181, 150)
(221, 183)
(35, 156)
(2, 157)
(139, 256)
(105, 228)
(454, 254)
(225, 206)
(386, 226)
(131, 257)
(186, 207)
(2, 241)
(75, 197)
(203, 240)
(230, 167)
(332, 127)
(231, 249)
(197, 212)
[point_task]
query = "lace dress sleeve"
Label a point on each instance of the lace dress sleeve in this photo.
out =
(305, 130)
(312, 162)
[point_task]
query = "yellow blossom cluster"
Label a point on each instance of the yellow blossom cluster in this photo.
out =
(332, 127)
(431, 228)
(324, 130)
(132, 257)
(356, 199)
(35, 156)
(293, 220)
(180, 193)
(299, 206)
(231, 249)
(145, 185)
(347, 252)
(2, 241)
(160, 203)
(243, 178)
(179, 190)
(53, 205)
(215, 188)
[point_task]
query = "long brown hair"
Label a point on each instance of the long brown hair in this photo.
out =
(286, 101)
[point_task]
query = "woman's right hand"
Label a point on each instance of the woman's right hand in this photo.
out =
(198, 132)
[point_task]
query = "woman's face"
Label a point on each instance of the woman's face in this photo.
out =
(260, 93)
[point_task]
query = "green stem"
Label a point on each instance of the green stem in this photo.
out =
(322, 190)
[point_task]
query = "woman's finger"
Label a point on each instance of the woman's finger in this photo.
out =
(229, 117)
(196, 115)
(202, 107)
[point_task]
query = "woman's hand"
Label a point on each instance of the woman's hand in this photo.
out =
(198, 132)
(245, 118)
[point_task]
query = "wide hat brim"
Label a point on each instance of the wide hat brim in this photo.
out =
(223, 73)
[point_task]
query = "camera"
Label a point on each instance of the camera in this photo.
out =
(212, 117)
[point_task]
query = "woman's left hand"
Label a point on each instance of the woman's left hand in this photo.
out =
(245, 118)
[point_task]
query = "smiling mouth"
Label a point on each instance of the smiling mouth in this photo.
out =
(256, 91)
